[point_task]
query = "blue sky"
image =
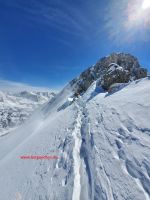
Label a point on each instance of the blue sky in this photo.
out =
(49, 42)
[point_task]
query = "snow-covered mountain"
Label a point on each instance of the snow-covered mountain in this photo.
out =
(16, 107)
(101, 139)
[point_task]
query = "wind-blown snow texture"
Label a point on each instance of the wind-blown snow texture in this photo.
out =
(103, 144)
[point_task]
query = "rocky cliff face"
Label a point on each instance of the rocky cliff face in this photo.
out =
(116, 68)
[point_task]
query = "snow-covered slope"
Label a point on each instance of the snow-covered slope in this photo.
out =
(102, 141)
(17, 106)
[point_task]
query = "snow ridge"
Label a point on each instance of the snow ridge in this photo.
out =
(101, 139)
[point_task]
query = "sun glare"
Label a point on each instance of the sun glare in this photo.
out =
(146, 4)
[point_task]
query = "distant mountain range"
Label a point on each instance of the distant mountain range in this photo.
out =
(16, 107)
(11, 86)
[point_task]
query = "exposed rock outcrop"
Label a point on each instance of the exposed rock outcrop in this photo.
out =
(116, 68)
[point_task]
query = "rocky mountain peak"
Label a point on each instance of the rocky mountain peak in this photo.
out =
(115, 68)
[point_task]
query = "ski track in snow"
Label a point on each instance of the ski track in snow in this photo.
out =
(82, 131)
(76, 156)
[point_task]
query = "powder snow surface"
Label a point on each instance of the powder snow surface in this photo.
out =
(102, 141)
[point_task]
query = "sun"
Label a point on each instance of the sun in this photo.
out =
(146, 4)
